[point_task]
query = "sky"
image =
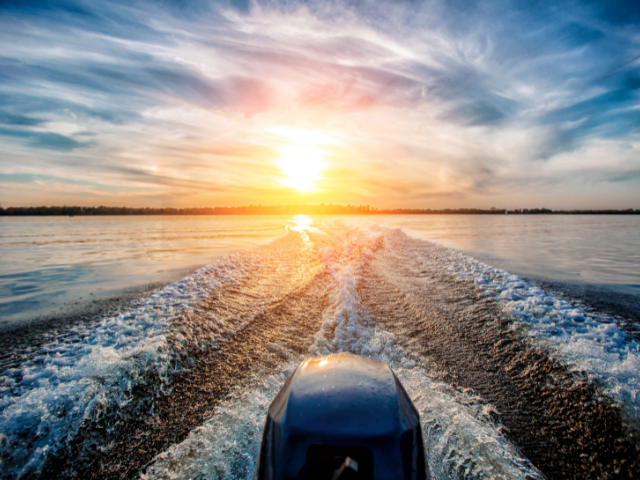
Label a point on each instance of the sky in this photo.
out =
(435, 104)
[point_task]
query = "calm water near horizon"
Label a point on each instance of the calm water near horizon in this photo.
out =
(49, 264)
(599, 250)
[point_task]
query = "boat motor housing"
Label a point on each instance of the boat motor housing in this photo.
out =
(342, 416)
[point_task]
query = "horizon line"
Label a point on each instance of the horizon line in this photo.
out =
(288, 209)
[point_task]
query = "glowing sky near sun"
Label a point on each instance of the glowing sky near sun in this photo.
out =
(418, 104)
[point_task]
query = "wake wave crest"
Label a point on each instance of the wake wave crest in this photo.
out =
(589, 342)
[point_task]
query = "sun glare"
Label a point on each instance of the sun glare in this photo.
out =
(301, 166)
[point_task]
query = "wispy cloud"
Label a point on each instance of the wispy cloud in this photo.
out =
(434, 103)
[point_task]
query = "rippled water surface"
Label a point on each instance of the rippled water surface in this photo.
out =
(50, 264)
(511, 380)
(596, 249)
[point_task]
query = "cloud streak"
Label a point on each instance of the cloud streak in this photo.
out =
(427, 104)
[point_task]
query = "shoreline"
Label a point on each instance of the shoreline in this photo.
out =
(275, 210)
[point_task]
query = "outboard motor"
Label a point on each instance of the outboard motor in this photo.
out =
(340, 417)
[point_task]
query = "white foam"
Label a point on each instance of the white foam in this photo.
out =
(226, 446)
(79, 376)
(587, 341)
(344, 264)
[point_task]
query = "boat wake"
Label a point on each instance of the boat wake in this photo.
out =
(509, 381)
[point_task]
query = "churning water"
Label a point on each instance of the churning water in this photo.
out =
(511, 380)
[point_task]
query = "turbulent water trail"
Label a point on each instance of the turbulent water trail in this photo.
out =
(179, 387)
(462, 439)
(277, 333)
(557, 417)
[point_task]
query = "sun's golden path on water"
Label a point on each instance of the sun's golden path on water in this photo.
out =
(303, 225)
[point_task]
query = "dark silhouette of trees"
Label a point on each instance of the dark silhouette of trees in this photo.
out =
(298, 209)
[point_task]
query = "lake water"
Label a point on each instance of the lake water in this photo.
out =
(598, 250)
(51, 265)
(177, 384)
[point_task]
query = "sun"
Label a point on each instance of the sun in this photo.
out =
(301, 166)
(301, 156)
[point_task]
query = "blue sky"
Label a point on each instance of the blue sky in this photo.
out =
(419, 104)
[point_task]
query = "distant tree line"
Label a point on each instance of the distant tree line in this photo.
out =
(302, 209)
(320, 209)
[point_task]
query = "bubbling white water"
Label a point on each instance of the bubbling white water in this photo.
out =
(589, 342)
(76, 378)
(462, 440)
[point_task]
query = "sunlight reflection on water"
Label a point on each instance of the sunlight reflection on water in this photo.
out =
(303, 225)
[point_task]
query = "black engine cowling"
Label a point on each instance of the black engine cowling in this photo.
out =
(340, 417)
